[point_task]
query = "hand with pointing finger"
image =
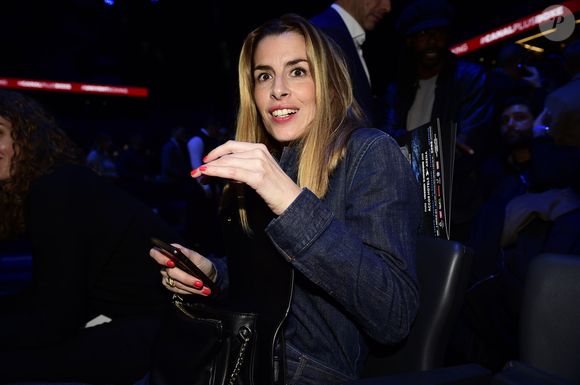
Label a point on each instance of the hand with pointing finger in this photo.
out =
(252, 164)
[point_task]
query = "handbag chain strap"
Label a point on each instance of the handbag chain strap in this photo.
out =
(245, 335)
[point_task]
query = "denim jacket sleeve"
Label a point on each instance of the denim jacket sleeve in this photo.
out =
(358, 242)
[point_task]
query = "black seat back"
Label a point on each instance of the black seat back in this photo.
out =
(550, 318)
(443, 269)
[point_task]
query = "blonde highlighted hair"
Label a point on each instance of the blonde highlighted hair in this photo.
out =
(337, 113)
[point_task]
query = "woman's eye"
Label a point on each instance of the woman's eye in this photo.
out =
(263, 76)
(298, 72)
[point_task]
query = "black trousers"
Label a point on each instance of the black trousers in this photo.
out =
(115, 353)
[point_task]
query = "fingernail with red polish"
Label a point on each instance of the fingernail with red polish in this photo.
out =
(204, 159)
(170, 263)
(202, 168)
(206, 291)
(193, 172)
(198, 284)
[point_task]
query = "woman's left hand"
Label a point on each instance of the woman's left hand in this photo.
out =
(252, 164)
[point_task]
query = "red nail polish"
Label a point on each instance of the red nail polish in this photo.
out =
(206, 291)
(202, 168)
(198, 284)
(170, 263)
(193, 172)
(204, 159)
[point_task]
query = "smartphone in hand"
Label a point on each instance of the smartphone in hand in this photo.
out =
(184, 263)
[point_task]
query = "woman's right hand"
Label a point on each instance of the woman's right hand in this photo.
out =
(177, 280)
(252, 164)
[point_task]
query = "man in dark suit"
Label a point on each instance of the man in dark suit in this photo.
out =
(346, 22)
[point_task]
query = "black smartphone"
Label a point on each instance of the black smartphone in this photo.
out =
(184, 263)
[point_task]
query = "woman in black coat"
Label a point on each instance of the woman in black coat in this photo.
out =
(89, 241)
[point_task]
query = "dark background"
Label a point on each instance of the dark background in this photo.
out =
(185, 52)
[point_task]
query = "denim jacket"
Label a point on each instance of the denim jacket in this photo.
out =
(353, 252)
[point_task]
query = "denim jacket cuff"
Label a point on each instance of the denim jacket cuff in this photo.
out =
(221, 268)
(300, 225)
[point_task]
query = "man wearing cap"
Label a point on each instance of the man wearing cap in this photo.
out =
(346, 22)
(433, 84)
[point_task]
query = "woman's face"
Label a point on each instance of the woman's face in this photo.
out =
(284, 90)
(6, 148)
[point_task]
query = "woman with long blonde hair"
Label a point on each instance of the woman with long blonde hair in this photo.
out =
(344, 206)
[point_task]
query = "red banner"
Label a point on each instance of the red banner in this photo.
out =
(516, 27)
(49, 85)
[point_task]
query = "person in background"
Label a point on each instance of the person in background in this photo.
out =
(200, 144)
(343, 200)
(175, 157)
(532, 207)
(135, 162)
(202, 217)
(92, 310)
(178, 194)
(504, 176)
(515, 76)
(204, 140)
(100, 158)
(435, 85)
(347, 22)
(562, 107)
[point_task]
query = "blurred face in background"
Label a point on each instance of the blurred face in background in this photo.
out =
(6, 148)
(516, 124)
(368, 13)
(284, 90)
(429, 46)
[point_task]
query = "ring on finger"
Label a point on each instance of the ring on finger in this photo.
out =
(170, 281)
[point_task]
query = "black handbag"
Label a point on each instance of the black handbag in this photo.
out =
(206, 345)
(235, 338)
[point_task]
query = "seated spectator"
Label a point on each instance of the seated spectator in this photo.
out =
(134, 162)
(91, 312)
(504, 176)
(428, 74)
(181, 194)
(204, 140)
(506, 173)
(533, 207)
(174, 157)
(204, 232)
(563, 104)
(309, 191)
(100, 158)
(515, 76)
(529, 162)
